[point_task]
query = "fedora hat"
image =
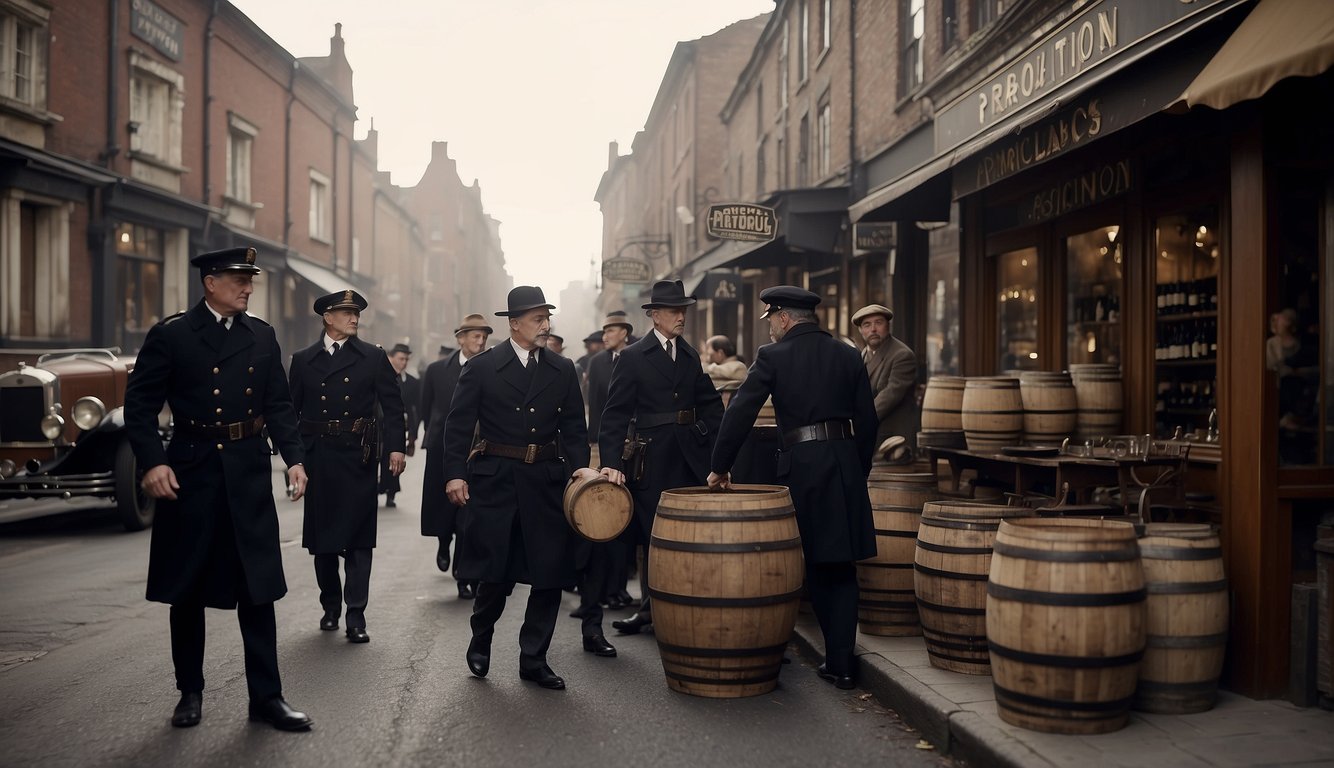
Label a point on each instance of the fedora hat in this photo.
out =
(404, 348)
(617, 318)
(348, 299)
(473, 322)
(524, 298)
(668, 293)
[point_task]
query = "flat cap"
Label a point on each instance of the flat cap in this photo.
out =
(227, 260)
(780, 297)
(870, 310)
(348, 299)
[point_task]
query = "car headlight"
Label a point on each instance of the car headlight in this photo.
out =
(8, 468)
(88, 413)
(52, 425)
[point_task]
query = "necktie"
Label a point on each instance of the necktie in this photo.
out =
(223, 322)
(671, 351)
(333, 349)
(532, 358)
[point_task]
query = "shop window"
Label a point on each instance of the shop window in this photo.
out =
(35, 304)
(139, 265)
(942, 300)
(319, 207)
(157, 104)
(912, 24)
(1186, 256)
(1093, 297)
(23, 34)
(1017, 310)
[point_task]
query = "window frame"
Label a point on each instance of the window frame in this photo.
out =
(912, 28)
(18, 16)
(319, 207)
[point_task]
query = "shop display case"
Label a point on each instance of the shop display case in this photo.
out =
(1093, 297)
(1185, 355)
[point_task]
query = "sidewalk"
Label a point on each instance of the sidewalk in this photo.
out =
(957, 713)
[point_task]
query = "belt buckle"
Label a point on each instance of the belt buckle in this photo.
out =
(530, 455)
(236, 430)
(332, 428)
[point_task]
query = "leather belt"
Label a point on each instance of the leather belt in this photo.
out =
(651, 420)
(335, 428)
(236, 430)
(825, 430)
(528, 454)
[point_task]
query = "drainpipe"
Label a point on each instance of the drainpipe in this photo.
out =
(287, 156)
(333, 197)
(854, 165)
(208, 102)
(113, 75)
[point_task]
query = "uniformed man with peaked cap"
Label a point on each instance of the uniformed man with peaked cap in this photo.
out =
(410, 387)
(215, 542)
(827, 423)
(337, 384)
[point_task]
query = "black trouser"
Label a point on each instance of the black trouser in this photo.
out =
(259, 635)
(595, 583)
(539, 622)
(833, 592)
(357, 591)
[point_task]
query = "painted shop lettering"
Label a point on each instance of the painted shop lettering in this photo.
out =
(1059, 58)
(1040, 144)
(1081, 191)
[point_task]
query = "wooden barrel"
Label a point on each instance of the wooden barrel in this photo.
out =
(886, 605)
(597, 509)
(950, 570)
(993, 413)
(1188, 619)
(1065, 623)
(1050, 407)
(942, 403)
(941, 438)
(1099, 399)
(726, 582)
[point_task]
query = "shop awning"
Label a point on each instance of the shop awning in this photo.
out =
(323, 278)
(1279, 39)
(809, 220)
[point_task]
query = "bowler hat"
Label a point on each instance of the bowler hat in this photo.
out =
(227, 260)
(593, 338)
(668, 293)
(523, 298)
(559, 338)
(404, 348)
(870, 310)
(617, 318)
(780, 297)
(445, 349)
(348, 299)
(473, 322)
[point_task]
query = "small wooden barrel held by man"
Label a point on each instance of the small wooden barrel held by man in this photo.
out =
(597, 509)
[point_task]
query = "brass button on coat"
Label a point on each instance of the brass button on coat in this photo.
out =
(249, 391)
(217, 392)
(216, 371)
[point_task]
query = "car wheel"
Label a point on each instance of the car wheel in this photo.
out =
(134, 506)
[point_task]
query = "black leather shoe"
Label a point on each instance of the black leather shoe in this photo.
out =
(467, 590)
(389, 501)
(188, 710)
(442, 560)
(632, 625)
(479, 658)
(330, 622)
(578, 613)
(357, 635)
(279, 714)
(598, 646)
(842, 682)
(543, 677)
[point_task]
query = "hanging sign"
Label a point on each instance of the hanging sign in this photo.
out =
(626, 270)
(872, 237)
(742, 221)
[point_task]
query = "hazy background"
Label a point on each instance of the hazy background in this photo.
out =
(527, 92)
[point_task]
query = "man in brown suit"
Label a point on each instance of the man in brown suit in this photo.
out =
(892, 368)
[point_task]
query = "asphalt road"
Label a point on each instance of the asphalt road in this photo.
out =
(86, 677)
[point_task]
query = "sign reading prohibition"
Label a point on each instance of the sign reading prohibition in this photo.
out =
(626, 270)
(742, 221)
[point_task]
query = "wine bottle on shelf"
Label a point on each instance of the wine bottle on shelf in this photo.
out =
(1193, 296)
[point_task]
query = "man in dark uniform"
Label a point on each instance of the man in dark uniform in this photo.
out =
(822, 399)
(216, 539)
(440, 518)
(337, 384)
(409, 387)
(659, 383)
(524, 404)
(592, 346)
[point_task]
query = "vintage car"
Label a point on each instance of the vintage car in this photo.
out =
(62, 432)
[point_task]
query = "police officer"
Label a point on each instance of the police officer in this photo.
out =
(337, 383)
(659, 384)
(822, 400)
(440, 518)
(526, 408)
(215, 543)
(410, 388)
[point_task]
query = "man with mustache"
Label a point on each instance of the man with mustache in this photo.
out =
(892, 369)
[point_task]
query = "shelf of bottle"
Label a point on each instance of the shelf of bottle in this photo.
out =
(1187, 411)
(1097, 323)
(1185, 317)
(1186, 362)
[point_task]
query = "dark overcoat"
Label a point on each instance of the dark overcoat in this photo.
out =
(341, 501)
(210, 375)
(409, 387)
(439, 517)
(813, 378)
(646, 381)
(599, 380)
(508, 404)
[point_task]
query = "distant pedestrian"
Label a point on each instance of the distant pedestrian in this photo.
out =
(410, 388)
(556, 343)
(215, 542)
(723, 367)
(892, 369)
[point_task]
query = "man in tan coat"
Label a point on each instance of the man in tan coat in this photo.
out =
(892, 368)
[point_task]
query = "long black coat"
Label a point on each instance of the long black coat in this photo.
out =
(813, 378)
(511, 405)
(341, 501)
(599, 381)
(409, 387)
(209, 375)
(439, 517)
(646, 381)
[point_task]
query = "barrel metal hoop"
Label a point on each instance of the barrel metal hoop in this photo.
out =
(1064, 662)
(984, 661)
(896, 533)
(766, 678)
(1177, 642)
(724, 602)
(1109, 709)
(949, 574)
(720, 653)
(955, 609)
(946, 550)
(732, 517)
(1154, 686)
(1187, 587)
(1066, 599)
(1122, 555)
(957, 643)
(1151, 552)
(958, 525)
(739, 547)
(891, 566)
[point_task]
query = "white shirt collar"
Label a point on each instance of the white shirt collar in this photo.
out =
(662, 340)
(463, 359)
(329, 342)
(521, 353)
(217, 316)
